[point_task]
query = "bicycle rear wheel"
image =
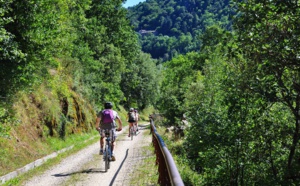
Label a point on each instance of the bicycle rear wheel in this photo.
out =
(131, 132)
(135, 133)
(106, 158)
(109, 157)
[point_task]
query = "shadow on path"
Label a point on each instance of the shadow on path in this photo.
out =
(88, 171)
(117, 172)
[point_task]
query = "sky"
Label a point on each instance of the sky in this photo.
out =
(132, 3)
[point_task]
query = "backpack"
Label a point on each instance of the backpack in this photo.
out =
(107, 116)
(131, 116)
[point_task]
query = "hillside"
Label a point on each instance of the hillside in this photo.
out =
(171, 27)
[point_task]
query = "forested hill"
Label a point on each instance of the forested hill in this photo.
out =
(177, 17)
(169, 27)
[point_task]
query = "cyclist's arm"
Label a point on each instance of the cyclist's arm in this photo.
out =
(120, 122)
(97, 123)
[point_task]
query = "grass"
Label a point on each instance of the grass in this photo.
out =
(147, 169)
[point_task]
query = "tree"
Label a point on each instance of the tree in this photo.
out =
(10, 53)
(35, 30)
(114, 45)
(140, 82)
(178, 74)
(269, 35)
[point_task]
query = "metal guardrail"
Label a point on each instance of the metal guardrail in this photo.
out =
(168, 172)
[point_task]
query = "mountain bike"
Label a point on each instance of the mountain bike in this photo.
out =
(107, 154)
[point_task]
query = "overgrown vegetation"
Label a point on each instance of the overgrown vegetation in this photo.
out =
(240, 92)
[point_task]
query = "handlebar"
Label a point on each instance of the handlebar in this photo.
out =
(99, 129)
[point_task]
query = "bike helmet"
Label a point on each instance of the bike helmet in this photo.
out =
(108, 105)
(131, 109)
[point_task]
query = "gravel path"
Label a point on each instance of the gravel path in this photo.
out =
(86, 168)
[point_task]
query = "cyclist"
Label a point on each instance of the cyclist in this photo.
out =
(137, 119)
(131, 116)
(107, 120)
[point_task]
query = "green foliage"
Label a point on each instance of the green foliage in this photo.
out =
(92, 42)
(177, 24)
(268, 39)
(243, 109)
(40, 31)
(178, 74)
(140, 82)
(144, 114)
(112, 45)
(242, 127)
(185, 16)
(204, 104)
(9, 50)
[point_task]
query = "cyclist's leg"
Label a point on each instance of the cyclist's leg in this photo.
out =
(130, 124)
(113, 143)
(136, 126)
(113, 138)
(101, 142)
(136, 123)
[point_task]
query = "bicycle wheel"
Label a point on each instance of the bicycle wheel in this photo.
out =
(106, 158)
(109, 156)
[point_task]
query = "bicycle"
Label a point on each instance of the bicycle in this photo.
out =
(132, 131)
(107, 154)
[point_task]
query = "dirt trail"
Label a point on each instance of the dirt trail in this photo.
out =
(86, 168)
